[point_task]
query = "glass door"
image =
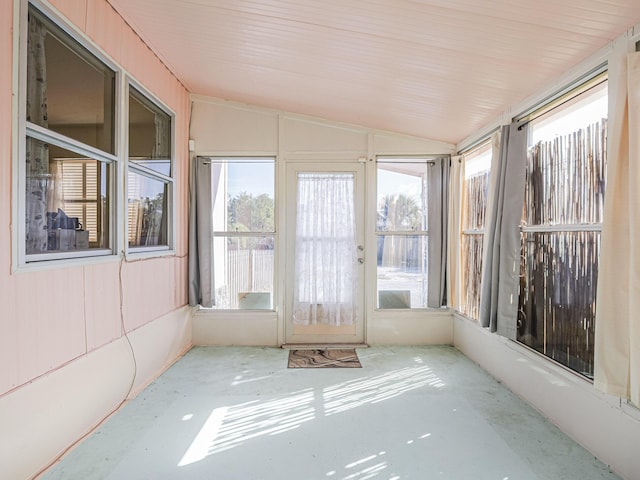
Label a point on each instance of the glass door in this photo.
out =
(325, 254)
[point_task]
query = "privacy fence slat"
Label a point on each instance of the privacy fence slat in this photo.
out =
(471, 268)
(248, 270)
(565, 186)
(473, 216)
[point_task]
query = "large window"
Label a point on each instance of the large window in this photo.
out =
(150, 173)
(244, 232)
(477, 165)
(68, 163)
(405, 213)
(561, 233)
(69, 154)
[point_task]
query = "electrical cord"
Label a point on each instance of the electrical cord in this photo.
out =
(131, 384)
(122, 261)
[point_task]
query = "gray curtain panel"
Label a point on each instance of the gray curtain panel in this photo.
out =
(438, 195)
(201, 193)
(501, 251)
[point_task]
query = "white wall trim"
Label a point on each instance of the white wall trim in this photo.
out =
(436, 145)
(235, 328)
(416, 327)
(41, 419)
(604, 425)
(257, 328)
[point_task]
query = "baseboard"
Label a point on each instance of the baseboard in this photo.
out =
(384, 327)
(247, 328)
(396, 327)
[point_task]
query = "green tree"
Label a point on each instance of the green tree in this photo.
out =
(246, 213)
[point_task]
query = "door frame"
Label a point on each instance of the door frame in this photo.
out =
(322, 334)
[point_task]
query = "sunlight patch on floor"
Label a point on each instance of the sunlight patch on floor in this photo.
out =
(342, 397)
(229, 427)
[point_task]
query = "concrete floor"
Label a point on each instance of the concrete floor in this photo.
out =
(409, 413)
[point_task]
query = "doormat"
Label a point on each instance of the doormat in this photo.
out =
(326, 358)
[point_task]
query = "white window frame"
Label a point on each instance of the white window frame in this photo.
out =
(424, 232)
(484, 143)
(572, 91)
(116, 161)
(26, 129)
(169, 180)
(217, 234)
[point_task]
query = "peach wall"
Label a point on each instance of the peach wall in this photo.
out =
(8, 323)
(77, 308)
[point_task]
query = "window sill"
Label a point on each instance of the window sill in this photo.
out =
(50, 262)
(137, 253)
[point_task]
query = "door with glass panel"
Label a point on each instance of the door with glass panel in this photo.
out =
(325, 253)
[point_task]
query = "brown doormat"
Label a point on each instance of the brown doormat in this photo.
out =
(327, 358)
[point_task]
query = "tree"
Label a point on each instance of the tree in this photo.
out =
(399, 213)
(247, 213)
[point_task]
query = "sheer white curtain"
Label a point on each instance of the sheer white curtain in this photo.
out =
(325, 250)
(617, 336)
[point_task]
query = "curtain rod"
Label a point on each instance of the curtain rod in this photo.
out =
(209, 161)
(478, 143)
(428, 162)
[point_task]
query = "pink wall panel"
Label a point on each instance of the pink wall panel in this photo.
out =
(104, 26)
(140, 62)
(134, 53)
(182, 289)
(182, 171)
(8, 325)
(51, 328)
(149, 71)
(9, 336)
(102, 304)
(6, 42)
(74, 10)
(51, 317)
(182, 110)
(148, 288)
(127, 57)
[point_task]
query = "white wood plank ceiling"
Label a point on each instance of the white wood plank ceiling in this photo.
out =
(439, 69)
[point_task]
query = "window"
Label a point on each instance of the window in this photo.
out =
(404, 253)
(477, 165)
(69, 155)
(244, 232)
(564, 202)
(149, 174)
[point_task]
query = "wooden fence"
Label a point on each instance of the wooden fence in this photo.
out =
(561, 246)
(248, 270)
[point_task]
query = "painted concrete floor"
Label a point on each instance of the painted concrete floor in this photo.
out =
(409, 413)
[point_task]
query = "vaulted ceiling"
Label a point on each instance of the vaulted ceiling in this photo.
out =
(439, 69)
